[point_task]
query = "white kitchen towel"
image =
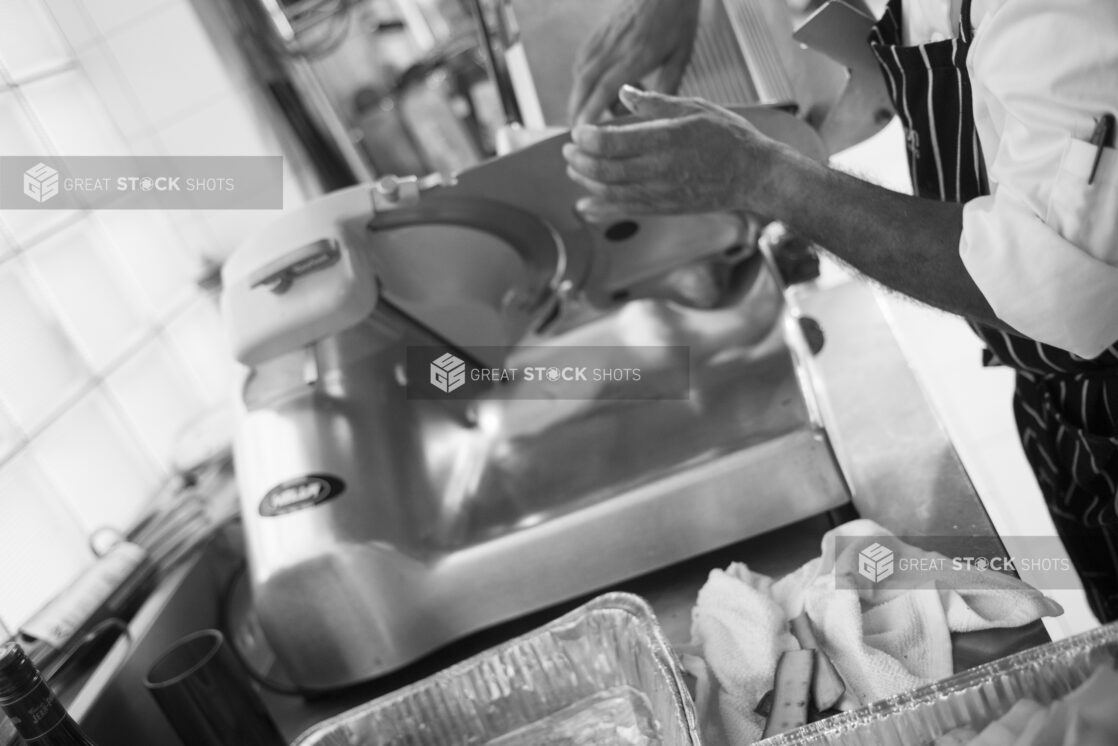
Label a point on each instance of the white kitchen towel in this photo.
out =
(883, 641)
(738, 632)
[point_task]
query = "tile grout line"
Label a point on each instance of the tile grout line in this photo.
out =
(99, 379)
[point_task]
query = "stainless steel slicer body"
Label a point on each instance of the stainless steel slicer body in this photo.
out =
(381, 526)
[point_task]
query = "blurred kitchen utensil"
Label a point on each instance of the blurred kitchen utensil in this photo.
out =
(206, 696)
(78, 626)
(185, 515)
(109, 590)
(198, 500)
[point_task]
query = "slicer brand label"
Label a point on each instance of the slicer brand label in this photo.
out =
(299, 493)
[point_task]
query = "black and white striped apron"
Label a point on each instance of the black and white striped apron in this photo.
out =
(1066, 407)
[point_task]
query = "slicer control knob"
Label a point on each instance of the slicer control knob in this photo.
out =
(396, 191)
(388, 188)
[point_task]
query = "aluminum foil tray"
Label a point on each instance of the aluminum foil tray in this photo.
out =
(602, 675)
(975, 697)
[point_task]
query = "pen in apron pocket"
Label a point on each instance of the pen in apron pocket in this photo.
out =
(1101, 139)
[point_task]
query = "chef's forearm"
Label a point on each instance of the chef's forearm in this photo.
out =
(908, 244)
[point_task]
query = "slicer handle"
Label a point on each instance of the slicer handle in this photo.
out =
(279, 274)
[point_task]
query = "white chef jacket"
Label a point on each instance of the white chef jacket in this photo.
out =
(1043, 247)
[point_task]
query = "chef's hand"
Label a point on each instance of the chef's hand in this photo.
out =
(641, 37)
(686, 156)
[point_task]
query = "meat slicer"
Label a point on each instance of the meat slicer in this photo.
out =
(383, 523)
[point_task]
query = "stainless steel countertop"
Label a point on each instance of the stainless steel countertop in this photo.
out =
(903, 472)
(903, 469)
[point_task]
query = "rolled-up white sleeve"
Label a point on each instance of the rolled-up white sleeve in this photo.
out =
(1043, 247)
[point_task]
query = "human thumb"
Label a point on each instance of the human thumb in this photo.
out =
(654, 105)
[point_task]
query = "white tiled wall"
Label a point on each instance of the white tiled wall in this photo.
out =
(107, 347)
